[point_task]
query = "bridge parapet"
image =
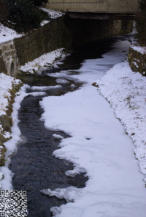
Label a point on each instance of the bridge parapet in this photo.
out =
(95, 6)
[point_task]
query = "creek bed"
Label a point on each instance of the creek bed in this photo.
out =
(34, 166)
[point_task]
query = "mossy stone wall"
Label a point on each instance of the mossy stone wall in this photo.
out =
(137, 61)
(2, 65)
(45, 39)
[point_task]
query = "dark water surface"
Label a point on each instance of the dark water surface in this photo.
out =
(33, 165)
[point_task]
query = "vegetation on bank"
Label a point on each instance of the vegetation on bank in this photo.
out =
(6, 121)
(141, 23)
(22, 15)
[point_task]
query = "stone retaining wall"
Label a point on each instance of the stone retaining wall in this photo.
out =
(45, 39)
(60, 33)
(8, 58)
(137, 61)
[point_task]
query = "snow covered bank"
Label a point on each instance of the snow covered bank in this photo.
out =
(137, 59)
(11, 144)
(98, 145)
(126, 92)
(139, 49)
(39, 63)
(7, 34)
(7, 93)
(7, 83)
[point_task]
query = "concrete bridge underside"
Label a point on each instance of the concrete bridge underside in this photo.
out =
(95, 6)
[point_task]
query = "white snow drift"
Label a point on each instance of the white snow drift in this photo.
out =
(7, 34)
(40, 62)
(98, 143)
(126, 92)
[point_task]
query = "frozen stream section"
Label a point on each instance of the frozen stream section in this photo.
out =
(98, 145)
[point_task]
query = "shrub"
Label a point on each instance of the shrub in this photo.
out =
(39, 2)
(24, 14)
(3, 11)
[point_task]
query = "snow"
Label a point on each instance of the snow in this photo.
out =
(7, 34)
(62, 193)
(52, 14)
(11, 145)
(98, 145)
(59, 75)
(62, 81)
(44, 22)
(6, 85)
(126, 92)
(57, 136)
(43, 88)
(37, 93)
(40, 62)
(139, 49)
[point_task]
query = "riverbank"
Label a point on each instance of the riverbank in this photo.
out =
(11, 97)
(137, 59)
(8, 90)
(125, 90)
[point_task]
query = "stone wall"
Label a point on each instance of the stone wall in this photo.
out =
(60, 33)
(45, 39)
(8, 58)
(137, 61)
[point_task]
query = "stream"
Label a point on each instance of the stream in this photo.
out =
(34, 166)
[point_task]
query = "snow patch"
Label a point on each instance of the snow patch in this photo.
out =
(126, 92)
(7, 34)
(57, 136)
(44, 22)
(139, 49)
(69, 193)
(52, 14)
(43, 88)
(40, 62)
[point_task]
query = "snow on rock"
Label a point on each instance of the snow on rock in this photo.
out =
(115, 187)
(7, 34)
(44, 22)
(126, 92)
(139, 49)
(40, 62)
(57, 136)
(68, 193)
(53, 14)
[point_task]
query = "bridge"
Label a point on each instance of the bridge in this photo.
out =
(95, 6)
